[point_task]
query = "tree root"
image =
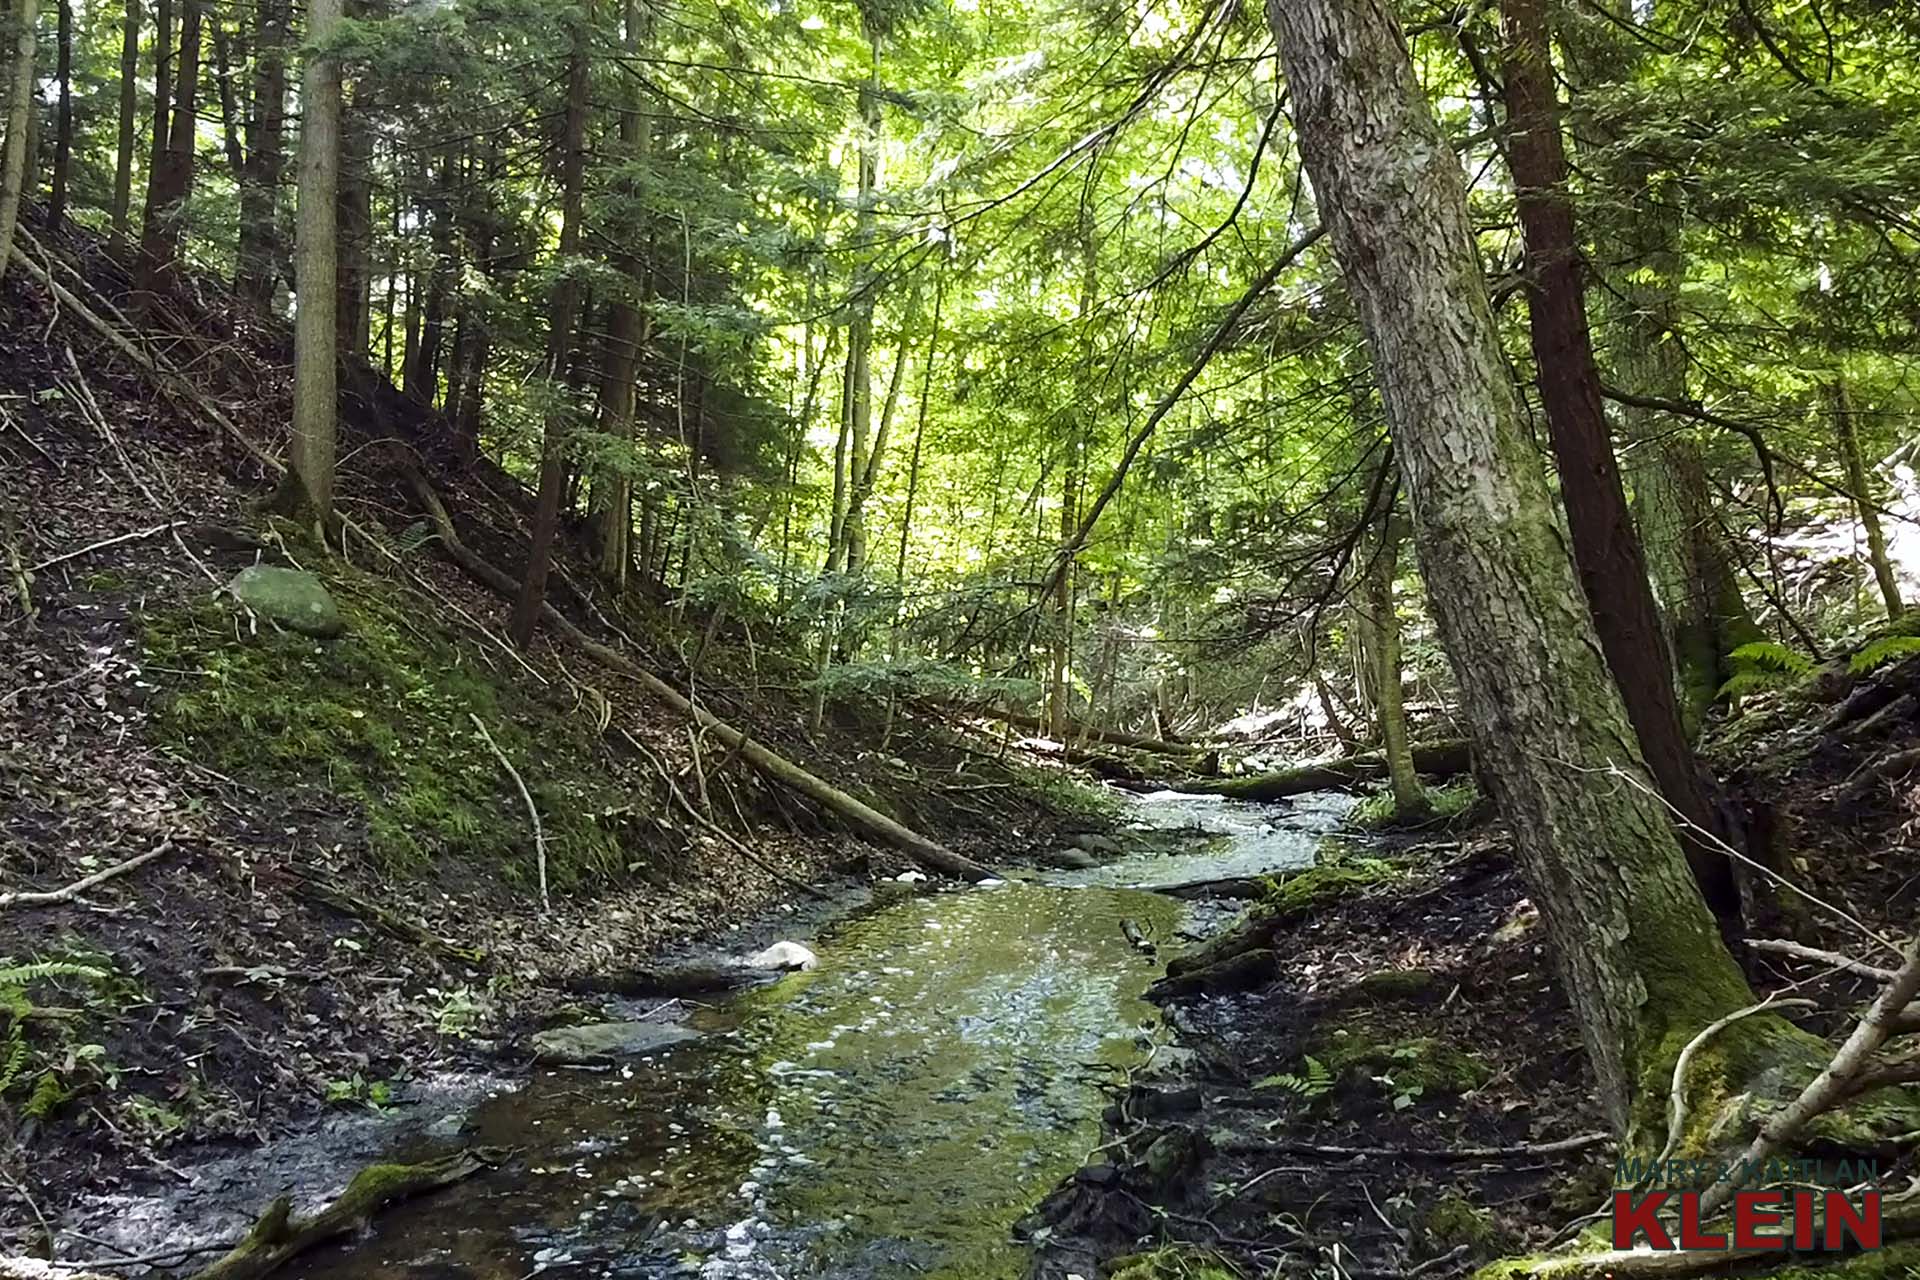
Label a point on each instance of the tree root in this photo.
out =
(278, 1237)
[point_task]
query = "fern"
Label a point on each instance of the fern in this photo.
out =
(48, 1093)
(1883, 651)
(16, 1060)
(1768, 656)
(18, 976)
(1313, 1081)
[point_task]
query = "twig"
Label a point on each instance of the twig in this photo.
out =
(1677, 1101)
(1801, 951)
(1458, 1251)
(539, 832)
(105, 542)
(54, 897)
(1559, 1146)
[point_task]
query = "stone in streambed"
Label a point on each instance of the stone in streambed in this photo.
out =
(598, 1042)
(1239, 972)
(290, 598)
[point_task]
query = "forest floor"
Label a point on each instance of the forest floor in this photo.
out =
(342, 900)
(1316, 1116)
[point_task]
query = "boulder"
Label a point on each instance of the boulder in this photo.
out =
(1071, 860)
(783, 956)
(1096, 842)
(598, 1042)
(290, 598)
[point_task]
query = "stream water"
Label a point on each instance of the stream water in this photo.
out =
(891, 1113)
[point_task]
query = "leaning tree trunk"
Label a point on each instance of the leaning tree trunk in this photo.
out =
(1612, 570)
(13, 162)
(1848, 436)
(1642, 961)
(315, 254)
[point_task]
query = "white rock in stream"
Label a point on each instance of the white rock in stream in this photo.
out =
(783, 955)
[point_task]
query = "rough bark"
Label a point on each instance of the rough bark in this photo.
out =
(1643, 964)
(13, 161)
(260, 249)
(1613, 572)
(315, 370)
(1847, 435)
(170, 186)
(353, 228)
(553, 461)
(129, 106)
(63, 125)
(860, 339)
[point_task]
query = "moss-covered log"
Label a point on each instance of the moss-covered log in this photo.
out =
(1443, 759)
(1112, 737)
(278, 1237)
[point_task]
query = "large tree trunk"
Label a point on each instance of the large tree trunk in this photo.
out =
(129, 106)
(13, 161)
(170, 186)
(315, 255)
(1612, 571)
(260, 250)
(353, 265)
(1848, 437)
(1643, 964)
(553, 461)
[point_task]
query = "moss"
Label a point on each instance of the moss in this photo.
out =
(1339, 874)
(1172, 1264)
(1898, 1261)
(380, 716)
(1453, 1220)
(1450, 800)
(1397, 984)
(1411, 1067)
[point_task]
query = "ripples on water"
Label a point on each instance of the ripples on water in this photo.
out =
(891, 1113)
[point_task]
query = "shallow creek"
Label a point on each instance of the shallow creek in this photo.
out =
(891, 1113)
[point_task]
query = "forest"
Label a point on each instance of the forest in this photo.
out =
(756, 639)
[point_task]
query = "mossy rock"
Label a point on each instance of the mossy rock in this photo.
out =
(290, 598)
(1397, 984)
(1416, 1066)
(1336, 876)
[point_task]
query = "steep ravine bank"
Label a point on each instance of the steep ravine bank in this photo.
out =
(343, 892)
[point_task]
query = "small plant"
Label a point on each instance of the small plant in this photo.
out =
(374, 1095)
(1882, 651)
(56, 1071)
(1763, 665)
(460, 1011)
(1313, 1081)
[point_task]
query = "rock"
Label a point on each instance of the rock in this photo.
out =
(783, 955)
(1397, 984)
(1096, 842)
(1236, 973)
(1071, 860)
(291, 598)
(597, 1042)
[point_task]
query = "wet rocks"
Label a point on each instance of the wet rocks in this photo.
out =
(1240, 972)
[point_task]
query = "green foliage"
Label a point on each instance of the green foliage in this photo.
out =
(39, 1045)
(1879, 652)
(1339, 874)
(380, 716)
(1763, 665)
(1314, 1079)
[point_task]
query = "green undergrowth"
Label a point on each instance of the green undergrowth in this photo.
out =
(53, 1011)
(1899, 1260)
(1178, 1263)
(381, 716)
(1405, 1067)
(1341, 872)
(1444, 802)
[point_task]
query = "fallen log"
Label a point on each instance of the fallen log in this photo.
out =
(1112, 737)
(1216, 887)
(1445, 759)
(862, 816)
(278, 1237)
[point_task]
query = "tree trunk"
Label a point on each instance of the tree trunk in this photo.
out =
(353, 266)
(13, 161)
(170, 186)
(1643, 964)
(259, 252)
(63, 126)
(315, 251)
(129, 107)
(553, 461)
(848, 544)
(1848, 437)
(162, 85)
(1613, 573)
(1410, 802)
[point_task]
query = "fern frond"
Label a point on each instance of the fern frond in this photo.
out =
(1883, 651)
(1769, 656)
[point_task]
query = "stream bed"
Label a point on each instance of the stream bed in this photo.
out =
(890, 1113)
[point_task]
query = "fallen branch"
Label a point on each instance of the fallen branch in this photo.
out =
(1112, 737)
(863, 816)
(91, 547)
(278, 1237)
(55, 897)
(1445, 1155)
(533, 812)
(1437, 759)
(1800, 951)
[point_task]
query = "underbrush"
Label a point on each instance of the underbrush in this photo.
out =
(1446, 802)
(384, 717)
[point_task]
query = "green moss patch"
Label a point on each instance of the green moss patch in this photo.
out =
(381, 716)
(1173, 1264)
(1405, 1067)
(1397, 984)
(1339, 874)
(1453, 1220)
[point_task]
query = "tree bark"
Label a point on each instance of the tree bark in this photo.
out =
(1410, 803)
(553, 461)
(260, 248)
(129, 107)
(170, 186)
(1613, 572)
(315, 361)
(13, 161)
(1643, 964)
(1848, 437)
(353, 265)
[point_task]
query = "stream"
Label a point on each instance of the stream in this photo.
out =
(890, 1113)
